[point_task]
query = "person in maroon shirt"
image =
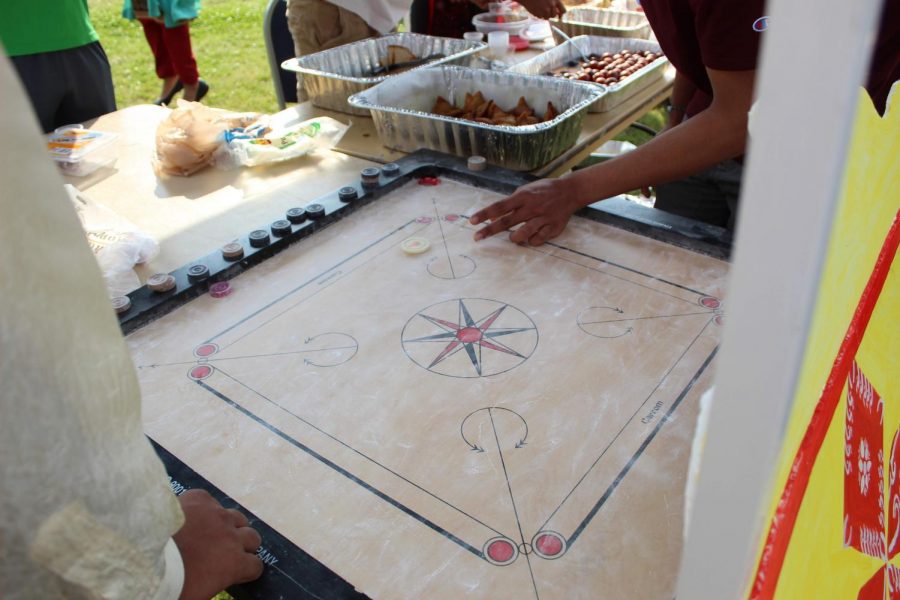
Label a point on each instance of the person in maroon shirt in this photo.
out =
(713, 45)
(704, 39)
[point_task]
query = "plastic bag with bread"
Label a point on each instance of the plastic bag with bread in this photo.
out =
(189, 137)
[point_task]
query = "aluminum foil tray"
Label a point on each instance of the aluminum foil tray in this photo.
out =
(590, 44)
(604, 22)
(331, 76)
(401, 107)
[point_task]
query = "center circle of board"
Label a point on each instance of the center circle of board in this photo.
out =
(415, 245)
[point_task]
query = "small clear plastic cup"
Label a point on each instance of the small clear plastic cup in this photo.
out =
(498, 42)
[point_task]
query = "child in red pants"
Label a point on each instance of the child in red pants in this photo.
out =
(166, 26)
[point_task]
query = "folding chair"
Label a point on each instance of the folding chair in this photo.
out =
(279, 47)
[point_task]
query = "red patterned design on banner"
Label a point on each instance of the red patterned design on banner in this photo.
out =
(893, 581)
(864, 527)
(894, 498)
(874, 588)
(781, 526)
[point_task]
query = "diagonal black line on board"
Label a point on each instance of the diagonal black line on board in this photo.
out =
(630, 269)
(512, 499)
(338, 469)
(637, 410)
(443, 237)
(309, 281)
(354, 450)
(612, 487)
(288, 353)
(704, 312)
(269, 355)
(606, 273)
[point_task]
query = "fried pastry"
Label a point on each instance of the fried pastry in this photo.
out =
(477, 108)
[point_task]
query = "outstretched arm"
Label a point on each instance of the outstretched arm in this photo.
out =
(716, 134)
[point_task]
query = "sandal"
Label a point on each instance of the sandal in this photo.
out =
(164, 101)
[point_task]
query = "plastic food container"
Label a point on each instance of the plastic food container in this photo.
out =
(330, 76)
(510, 23)
(616, 93)
(79, 152)
(401, 108)
(603, 22)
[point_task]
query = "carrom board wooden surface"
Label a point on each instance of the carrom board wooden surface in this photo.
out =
(480, 420)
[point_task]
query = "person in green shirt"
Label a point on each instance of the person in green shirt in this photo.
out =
(59, 59)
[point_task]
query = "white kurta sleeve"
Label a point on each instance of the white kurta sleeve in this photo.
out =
(86, 506)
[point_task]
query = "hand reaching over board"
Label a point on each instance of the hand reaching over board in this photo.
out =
(217, 545)
(543, 207)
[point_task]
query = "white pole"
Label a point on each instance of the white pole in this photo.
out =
(814, 59)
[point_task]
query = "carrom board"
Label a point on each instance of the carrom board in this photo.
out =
(481, 420)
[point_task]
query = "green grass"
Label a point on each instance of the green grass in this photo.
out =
(228, 42)
(656, 119)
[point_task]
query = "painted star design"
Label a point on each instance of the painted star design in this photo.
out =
(473, 336)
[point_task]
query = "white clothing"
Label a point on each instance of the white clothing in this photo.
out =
(86, 505)
(381, 15)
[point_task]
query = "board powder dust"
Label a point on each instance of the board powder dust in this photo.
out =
(486, 421)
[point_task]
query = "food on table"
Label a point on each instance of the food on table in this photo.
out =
(477, 108)
(513, 23)
(397, 54)
(395, 59)
(187, 139)
(607, 68)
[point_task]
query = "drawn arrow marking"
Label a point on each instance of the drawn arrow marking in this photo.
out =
(352, 344)
(611, 337)
(475, 447)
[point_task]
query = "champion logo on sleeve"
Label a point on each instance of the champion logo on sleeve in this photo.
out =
(761, 24)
